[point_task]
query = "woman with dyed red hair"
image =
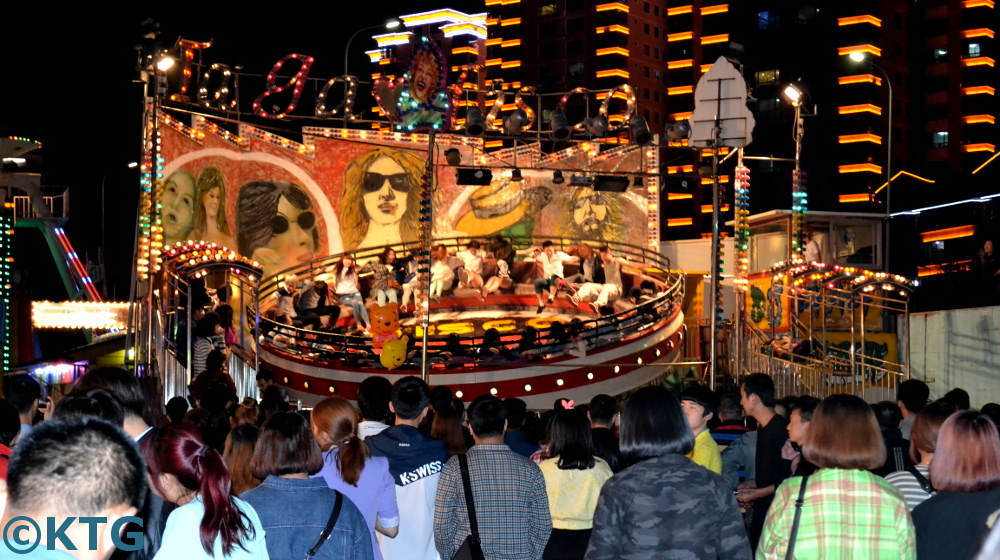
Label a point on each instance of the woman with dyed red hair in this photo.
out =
(966, 474)
(209, 521)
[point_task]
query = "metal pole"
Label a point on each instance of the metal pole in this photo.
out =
(428, 239)
(888, 172)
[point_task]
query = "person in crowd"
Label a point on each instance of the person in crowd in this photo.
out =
(447, 425)
(491, 347)
(348, 289)
(295, 509)
(959, 397)
(798, 428)
(699, 404)
(508, 490)
(965, 473)
(897, 449)
(24, 392)
(415, 462)
(471, 274)
(732, 424)
(558, 340)
(442, 276)
(573, 480)
(757, 399)
(631, 521)
(248, 412)
(238, 454)
(914, 482)
(552, 262)
(517, 411)
(911, 396)
(385, 288)
(95, 403)
(503, 254)
(208, 337)
(374, 394)
(176, 408)
(408, 277)
(738, 460)
(10, 426)
(214, 374)
(603, 412)
(66, 471)
(846, 511)
(272, 401)
(599, 294)
(349, 468)
(209, 522)
(225, 312)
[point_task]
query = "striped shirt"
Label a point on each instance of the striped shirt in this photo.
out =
(913, 492)
(846, 514)
(512, 508)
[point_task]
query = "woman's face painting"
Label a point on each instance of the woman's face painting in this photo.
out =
(211, 201)
(385, 189)
(178, 206)
(425, 77)
(293, 233)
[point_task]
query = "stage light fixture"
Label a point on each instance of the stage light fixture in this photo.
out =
(637, 182)
(515, 123)
(474, 122)
(611, 183)
(561, 130)
(794, 94)
(581, 180)
(165, 63)
(515, 175)
(596, 126)
(677, 131)
(473, 176)
(640, 131)
(557, 177)
(453, 156)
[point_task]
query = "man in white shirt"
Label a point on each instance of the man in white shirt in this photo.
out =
(471, 275)
(552, 271)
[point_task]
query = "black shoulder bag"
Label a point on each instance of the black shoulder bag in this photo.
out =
(925, 484)
(472, 546)
(325, 535)
(798, 514)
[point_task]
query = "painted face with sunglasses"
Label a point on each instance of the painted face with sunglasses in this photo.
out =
(292, 232)
(385, 186)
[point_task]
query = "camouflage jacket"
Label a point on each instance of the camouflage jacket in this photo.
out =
(667, 507)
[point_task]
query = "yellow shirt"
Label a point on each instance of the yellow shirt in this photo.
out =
(573, 493)
(706, 452)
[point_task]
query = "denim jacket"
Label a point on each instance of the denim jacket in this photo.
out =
(294, 513)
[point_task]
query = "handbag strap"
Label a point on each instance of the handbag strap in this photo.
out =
(325, 535)
(463, 462)
(925, 484)
(798, 514)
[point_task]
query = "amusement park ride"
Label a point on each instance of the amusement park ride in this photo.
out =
(233, 213)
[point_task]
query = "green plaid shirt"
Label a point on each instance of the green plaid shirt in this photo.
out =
(846, 514)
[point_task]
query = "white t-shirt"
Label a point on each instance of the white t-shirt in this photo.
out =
(473, 263)
(553, 266)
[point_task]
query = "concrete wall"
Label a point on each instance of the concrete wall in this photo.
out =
(958, 348)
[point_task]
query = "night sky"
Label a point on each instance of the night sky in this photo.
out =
(67, 80)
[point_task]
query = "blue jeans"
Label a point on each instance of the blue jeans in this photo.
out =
(357, 304)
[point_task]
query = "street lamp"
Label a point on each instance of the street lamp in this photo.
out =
(796, 96)
(860, 57)
(390, 24)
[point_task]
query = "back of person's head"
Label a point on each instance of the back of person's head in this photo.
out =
(410, 396)
(96, 403)
(180, 450)
(487, 416)
(441, 397)
(122, 385)
(273, 401)
(761, 385)
(517, 410)
(967, 458)
(207, 324)
(927, 424)
(571, 441)
(959, 398)
(913, 393)
(238, 453)
(374, 394)
(888, 415)
(334, 424)
(603, 409)
(215, 361)
(225, 312)
(653, 425)
(75, 467)
(265, 375)
(247, 413)
(843, 434)
(22, 392)
(10, 422)
(176, 407)
(286, 446)
(993, 411)
(447, 425)
(729, 407)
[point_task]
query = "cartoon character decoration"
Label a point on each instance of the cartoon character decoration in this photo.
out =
(385, 324)
(394, 353)
(424, 102)
(757, 305)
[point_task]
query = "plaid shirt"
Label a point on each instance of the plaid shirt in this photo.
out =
(846, 514)
(512, 508)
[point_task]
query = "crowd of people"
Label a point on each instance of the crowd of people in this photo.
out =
(410, 472)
